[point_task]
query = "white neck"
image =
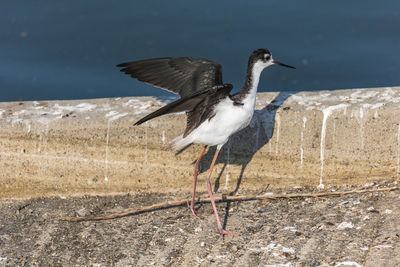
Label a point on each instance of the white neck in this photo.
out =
(258, 67)
(250, 99)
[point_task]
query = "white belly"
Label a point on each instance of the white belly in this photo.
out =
(228, 120)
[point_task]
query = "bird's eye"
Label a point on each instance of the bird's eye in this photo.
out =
(267, 57)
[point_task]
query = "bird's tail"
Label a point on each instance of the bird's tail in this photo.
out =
(179, 142)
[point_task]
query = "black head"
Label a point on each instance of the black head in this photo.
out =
(263, 58)
(260, 54)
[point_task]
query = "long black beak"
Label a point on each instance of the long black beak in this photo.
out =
(283, 65)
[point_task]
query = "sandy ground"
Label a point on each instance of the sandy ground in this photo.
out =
(351, 230)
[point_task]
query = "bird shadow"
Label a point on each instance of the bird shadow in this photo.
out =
(243, 145)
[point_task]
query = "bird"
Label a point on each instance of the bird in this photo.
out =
(213, 114)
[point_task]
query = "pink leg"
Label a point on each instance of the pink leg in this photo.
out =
(222, 231)
(196, 173)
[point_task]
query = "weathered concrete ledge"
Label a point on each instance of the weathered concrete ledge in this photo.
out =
(91, 146)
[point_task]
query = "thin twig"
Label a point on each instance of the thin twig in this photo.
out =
(181, 202)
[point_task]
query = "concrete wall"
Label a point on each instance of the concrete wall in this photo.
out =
(91, 146)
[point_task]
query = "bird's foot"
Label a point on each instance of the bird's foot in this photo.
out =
(224, 232)
(191, 207)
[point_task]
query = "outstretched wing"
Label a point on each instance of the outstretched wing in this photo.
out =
(182, 75)
(198, 106)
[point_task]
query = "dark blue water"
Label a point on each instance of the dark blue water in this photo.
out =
(69, 49)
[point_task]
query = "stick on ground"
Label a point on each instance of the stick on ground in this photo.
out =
(181, 202)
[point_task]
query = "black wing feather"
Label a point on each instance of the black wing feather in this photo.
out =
(198, 106)
(181, 75)
(205, 109)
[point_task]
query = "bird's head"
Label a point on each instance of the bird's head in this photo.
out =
(262, 58)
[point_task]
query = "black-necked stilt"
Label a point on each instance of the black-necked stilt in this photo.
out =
(213, 115)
